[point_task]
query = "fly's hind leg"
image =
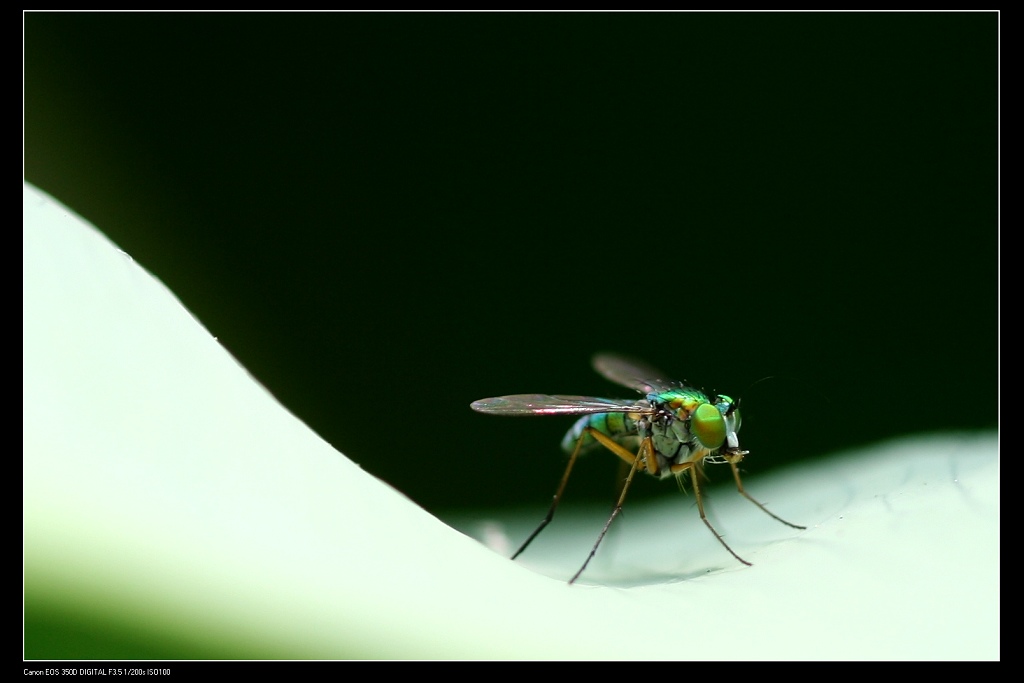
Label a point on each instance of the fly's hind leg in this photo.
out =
(644, 457)
(557, 498)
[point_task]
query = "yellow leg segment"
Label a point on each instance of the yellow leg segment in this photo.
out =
(644, 456)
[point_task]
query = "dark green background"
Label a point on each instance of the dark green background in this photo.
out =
(387, 216)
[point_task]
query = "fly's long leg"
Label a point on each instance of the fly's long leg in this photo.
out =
(558, 496)
(700, 508)
(739, 485)
(643, 455)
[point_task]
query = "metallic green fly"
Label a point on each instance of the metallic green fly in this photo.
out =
(673, 430)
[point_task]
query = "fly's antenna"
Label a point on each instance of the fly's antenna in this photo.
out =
(789, 377)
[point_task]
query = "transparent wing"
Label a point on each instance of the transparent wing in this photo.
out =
(632, 373)
(543, 404)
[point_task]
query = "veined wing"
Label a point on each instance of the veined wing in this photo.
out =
(632, 373)
(543, 404)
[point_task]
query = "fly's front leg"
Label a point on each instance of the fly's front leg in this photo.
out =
(700, 505)
(733, 463)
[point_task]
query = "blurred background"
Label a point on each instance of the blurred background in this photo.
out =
(387, 216)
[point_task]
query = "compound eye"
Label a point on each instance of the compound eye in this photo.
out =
(708, 425)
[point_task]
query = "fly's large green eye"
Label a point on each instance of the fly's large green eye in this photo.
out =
(708, 425)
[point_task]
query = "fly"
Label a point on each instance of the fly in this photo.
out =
(670, 432)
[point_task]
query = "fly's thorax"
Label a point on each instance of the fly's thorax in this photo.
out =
(672, 445)
(690, 426)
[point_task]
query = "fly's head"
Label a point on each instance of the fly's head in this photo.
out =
(715, 426)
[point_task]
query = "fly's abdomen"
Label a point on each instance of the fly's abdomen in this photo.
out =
(619, 426)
